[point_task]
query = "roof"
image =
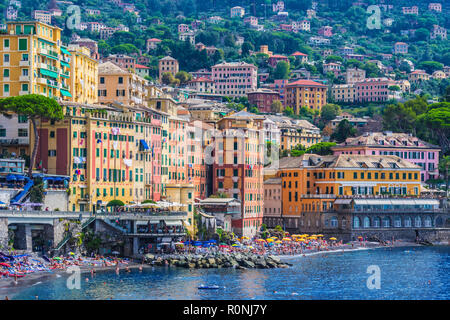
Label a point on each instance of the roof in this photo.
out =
(346, 161)
(154, 40)
(167, 58)
(140, 66)
(244, 114)
(298, 53)
(110, 68)
(306, 83)
(273, 181)
(387, 139)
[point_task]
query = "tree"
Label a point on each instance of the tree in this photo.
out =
(167, 78)
(431, 66)
(343, 131)
(276, 106)
(330, 111)
(281, 70)
(246, 48)
(183, 76)
(33, 106)
(421, 34)
(437, 119)
(37, 191)
(115, 203)
(444, 167)
(321, 148)
(288, 111)
(394, 88)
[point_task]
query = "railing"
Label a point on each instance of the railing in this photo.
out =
(393, 210)
(318, 196)
(103, 215)
(18, 141)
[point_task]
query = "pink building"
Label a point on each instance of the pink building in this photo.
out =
(435, 7)
(279, 86)
(402, 145)
(252, 21)
(272, 203)
(155, 154)
(438, 32)
(234, 79)
(332, 67)
(373, 89)
(152, 43)
(183, 28)
(326, 31)
(286, 27)
(410, 10)
(400, 48)
(274, 59)
(263, 99)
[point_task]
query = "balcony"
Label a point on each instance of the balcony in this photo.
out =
(24, 78)
(318, 196)
(41, 80)
(22, 93)
(14, 142)
(24, 63)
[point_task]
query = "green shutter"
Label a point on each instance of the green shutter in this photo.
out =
(23, 44)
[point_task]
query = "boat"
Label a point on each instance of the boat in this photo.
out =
(213, 287)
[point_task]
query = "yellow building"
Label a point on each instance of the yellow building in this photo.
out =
(311, 183)
(101, 149)
(84, 79)
(418, 76)
(33, 61)
(293, 135)
(306, 93)
(182, 195)
(344, 93)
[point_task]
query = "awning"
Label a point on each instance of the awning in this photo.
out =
(343, 201)
(65, 93)
(173, 223)
(144, 144)
(64, 50)
(49, 73)
(65, 64)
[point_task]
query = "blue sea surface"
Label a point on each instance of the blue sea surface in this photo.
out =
(405, 273)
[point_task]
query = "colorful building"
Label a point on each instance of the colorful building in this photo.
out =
(34, 61)
(84, 75)
(306, 93)
(234, 79)
(237, 168)
(263, 99)
(167, 64)
(373, 89)
(403, 145)
(311, 183)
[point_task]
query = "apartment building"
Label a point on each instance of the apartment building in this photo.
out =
(168, 64)
(34, 61)
(306, 93)
(403, 145)
(234, 79)
(373, 89)
(237, 12)
(344, 93)
(119, 86)
(237, 169)
(84, 75)
(122, 60)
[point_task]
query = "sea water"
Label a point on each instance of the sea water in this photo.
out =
(405, 273)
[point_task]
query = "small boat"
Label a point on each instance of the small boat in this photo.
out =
(213, 287)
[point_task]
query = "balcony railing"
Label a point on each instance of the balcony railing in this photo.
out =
(12, 142)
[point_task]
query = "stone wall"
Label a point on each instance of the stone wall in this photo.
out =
(7, 194)
(3, 233)
(56, 200)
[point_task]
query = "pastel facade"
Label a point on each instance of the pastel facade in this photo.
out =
(234, 79)
(237, 12)
(373, 89)
(167, 64)
(306, 93)
(403, 145)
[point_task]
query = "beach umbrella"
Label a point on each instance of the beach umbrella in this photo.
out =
(270, 240)
(260, 240)
(333, 238)
(278, 241)
(359, 237)
(115, 252)
(72, 253)
(287, 239)
(320, 235)
(235, 245)
(245, 238)
(56, 258)
(249, 247)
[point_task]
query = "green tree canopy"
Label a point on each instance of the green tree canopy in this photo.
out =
(281, 70)
(33, 106)
(343, 131)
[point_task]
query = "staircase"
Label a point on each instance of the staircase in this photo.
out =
(63, 242)
(87, 222)
(22, 194)
(115, 225)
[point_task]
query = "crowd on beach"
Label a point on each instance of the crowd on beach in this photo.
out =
(18, 266)
(287, 245)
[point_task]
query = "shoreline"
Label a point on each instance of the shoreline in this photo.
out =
(9, 288)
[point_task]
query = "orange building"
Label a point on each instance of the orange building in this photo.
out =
(238, 170)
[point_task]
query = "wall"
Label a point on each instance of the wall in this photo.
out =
(56, 200)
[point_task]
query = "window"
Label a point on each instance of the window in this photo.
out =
(5, 88)
(120, 79)
(23, 44)
(102, 80)
(6, 58)
(5, 73)
(52, 153)
(22, 132)
(6, 43)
